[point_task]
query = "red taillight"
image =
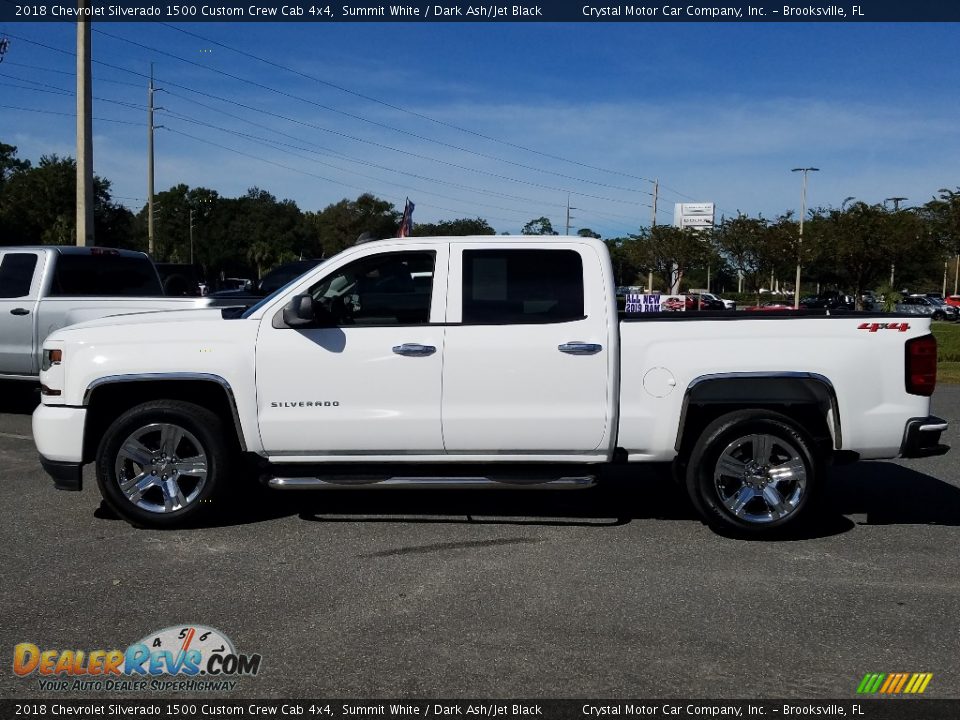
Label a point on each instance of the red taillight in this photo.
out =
(921, 365)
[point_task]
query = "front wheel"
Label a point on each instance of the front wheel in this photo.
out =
(938, 315)
(163, 463)
(753, 473)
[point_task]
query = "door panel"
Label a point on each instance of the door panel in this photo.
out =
(19, 289)
(371, 385)
(508, 387)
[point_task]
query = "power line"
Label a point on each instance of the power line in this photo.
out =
(345, 157)
(287, 167)
(402, 109)
(70, 73)
(70, 93)
(361, 118)
(65, 92)
(70, 115)
(145, 76)
(408, 188)
(397, 150)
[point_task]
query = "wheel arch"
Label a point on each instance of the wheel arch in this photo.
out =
(809, 399)
(108, 397)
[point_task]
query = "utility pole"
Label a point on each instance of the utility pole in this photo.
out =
(84, 192)
(151, 240)
(191, 236)
(803, 211)
(896, 208)
(653, 224)
(569, 216)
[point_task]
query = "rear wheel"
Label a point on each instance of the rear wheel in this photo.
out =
(754, 473)
(938, 315)
(163, 463)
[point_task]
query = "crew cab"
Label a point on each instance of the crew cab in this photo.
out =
(48, 287)
(470, 361)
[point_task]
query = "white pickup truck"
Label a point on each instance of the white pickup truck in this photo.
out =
(473, 361)
(44, 288)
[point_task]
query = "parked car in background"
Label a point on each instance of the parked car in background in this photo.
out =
(928, 307)
(770, 305)
(953, 300)
(232, 284)
(269, 283)
(830, 300)
(871, 302)
(727, 304)
(704, 301)
(45, 288)
(181, 279)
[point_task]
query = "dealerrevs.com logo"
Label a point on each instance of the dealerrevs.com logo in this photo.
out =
(180, 658)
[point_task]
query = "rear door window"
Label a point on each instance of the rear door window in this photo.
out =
(16, 274)
(522, 286)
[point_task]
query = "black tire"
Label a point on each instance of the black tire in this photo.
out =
(173, 447)
(781, 479)
(938, 315)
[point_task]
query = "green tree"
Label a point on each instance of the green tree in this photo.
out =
(671, 252)
(861, 242)
(457, 228)
(539, 226)
(588, 233)
(755, 248)
(9, 163)
(38, 205)
(943, 216)
(339, 225)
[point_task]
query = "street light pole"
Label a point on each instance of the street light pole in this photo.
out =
(191, 236)
(803, 211)
(896, 208)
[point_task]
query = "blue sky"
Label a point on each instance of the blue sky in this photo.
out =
(716, 112)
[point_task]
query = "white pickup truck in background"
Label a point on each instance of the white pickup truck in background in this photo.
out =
(45, 288)
(473, 361)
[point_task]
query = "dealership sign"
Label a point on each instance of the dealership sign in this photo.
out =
(693, 215)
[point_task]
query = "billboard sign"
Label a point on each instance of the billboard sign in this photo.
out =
(693, 215)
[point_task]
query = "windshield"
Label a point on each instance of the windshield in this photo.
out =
(279, 291)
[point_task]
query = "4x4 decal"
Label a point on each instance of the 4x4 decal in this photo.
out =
(873, 327)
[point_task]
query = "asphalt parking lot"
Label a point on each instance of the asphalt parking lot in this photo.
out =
(616, 591)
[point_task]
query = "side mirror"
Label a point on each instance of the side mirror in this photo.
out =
(299, 311)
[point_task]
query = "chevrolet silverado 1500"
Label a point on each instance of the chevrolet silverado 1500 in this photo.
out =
(468, 361)
(48, 287)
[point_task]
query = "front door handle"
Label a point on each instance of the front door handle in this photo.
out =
(580, 348)
(414, 350)
(19, 311)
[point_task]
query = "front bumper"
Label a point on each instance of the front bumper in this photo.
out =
(921, 437)
(58, 434)
(66, 475)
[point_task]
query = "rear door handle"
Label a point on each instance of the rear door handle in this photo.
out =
(414, 350)
(580, 348)
(19, 311)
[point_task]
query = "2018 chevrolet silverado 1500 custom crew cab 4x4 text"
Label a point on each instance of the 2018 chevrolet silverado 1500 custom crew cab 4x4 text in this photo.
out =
(45, 288)
(463, 361)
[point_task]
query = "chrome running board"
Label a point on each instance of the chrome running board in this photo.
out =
(366, 482)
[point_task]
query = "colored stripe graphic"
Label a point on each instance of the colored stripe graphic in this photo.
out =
(871, 683)
(894, 683)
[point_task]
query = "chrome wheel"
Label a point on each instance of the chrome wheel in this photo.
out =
(161, 468)
(760, 478)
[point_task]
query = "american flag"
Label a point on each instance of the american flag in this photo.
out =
(406, 222)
